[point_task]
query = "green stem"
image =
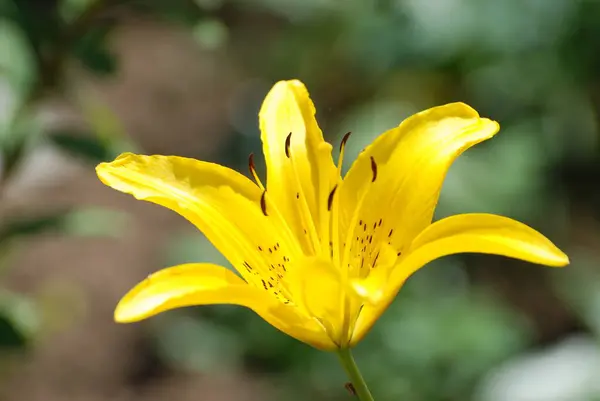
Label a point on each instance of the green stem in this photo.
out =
(358, 383)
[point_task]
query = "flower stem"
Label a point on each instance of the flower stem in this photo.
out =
(359, 385)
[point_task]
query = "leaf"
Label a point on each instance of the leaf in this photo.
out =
(11, 155)
(94, 222)
(10, 336)
(31, 226)
(89, 222)
(92, 50)
(82, 145)
(19, 319)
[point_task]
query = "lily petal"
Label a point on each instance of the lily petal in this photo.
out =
(227, 207)
(400, 175)
(205, 284)
(465, 233)
(300, 169)
(317, 286)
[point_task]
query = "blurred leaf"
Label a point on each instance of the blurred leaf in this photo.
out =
(11, 155)
(197, 345)
(77, 222)
(106, 125)
(92, 50)
(210, 34)
(10, 336)
(209, 4)
(94, 222)
(71, 9)
(180, 11)
(30, 226)
(17, 60)
(19, 319)
(82, 145)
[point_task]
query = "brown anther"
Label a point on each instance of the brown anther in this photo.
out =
(330, 198)
(350, 387)
(251, 165)
(374, 169)
(263, 203)
(288, 140)
(344, 140)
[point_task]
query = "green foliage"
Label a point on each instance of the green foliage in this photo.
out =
(78, 222)
(82, 145)
(19, 320)
(93, 52)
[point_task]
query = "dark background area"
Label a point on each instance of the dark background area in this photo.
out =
(83, 80)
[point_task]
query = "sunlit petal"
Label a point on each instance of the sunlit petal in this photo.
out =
(300, 170)
(398, 178)
(465, 233)
(226, 206)
(204, 284)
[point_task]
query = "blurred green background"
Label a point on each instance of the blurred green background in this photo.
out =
(82, 80)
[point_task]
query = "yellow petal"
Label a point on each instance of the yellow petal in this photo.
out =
(399, 176)
(372, 288)
(204, 284)
(300, 170)
(317, 287)
(465, 233)
(226, 206)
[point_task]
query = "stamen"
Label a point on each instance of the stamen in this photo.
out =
(252, 168)
(374, 169)
(342, 150)
(330, 198)
(350, 387)
(288, 140)
(344, 140)
(263, 203)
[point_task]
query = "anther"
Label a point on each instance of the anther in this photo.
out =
(344, 140)
(263, 203)
(251, 165)
(350, 387)
(288, 140)
(374, 169)
(252, 168)
(330, 198)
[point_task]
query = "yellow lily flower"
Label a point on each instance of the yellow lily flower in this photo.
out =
(319, 256)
